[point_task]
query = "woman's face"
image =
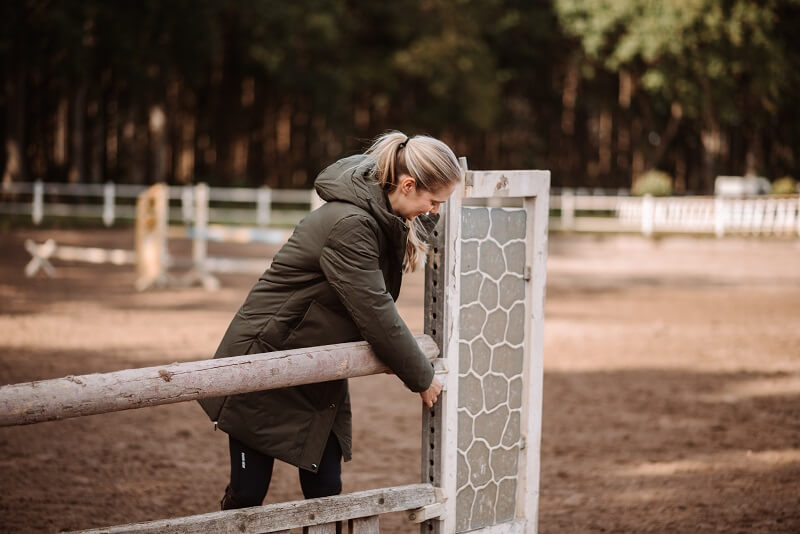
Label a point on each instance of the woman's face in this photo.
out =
(408, 201)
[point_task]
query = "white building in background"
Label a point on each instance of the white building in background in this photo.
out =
(740, 186)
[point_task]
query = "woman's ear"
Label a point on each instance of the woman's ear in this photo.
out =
(407, 184)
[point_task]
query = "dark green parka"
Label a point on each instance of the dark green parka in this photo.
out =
(335, 280)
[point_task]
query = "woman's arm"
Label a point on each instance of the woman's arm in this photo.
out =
(350, 262)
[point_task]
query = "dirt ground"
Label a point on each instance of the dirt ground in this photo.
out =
(671, 391)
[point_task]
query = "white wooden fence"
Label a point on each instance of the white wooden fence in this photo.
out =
(779, 216)
(110, 202)
(579, 210)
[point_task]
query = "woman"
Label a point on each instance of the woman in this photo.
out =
(335, 280)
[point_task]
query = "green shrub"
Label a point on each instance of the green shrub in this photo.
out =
(653, 182)
(784, 186)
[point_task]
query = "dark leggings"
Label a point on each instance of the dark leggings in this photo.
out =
(251, 473)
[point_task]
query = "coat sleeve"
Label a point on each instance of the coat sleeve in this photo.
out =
(349, 261)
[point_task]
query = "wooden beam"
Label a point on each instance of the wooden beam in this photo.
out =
(425, 513)
(295, 514)
(533, 364)
(74, 396)
(365, 525)
(488, 184)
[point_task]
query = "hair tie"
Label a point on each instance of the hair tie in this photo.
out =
(403, 144)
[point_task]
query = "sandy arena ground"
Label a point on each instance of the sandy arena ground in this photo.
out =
(671, 400)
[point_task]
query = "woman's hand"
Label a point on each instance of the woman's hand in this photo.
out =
(431, 395)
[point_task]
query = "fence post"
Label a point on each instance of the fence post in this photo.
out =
(648, 215)
(719, 216)
(567, 209)
(199, 243)
(37, 209)
(108, 203)
(187, 203)
(263, 206)
(200, 272)
(442, 287)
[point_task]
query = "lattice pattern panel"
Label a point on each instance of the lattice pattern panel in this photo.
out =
(490, 365)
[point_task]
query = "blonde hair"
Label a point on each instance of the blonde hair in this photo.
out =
(432, 165)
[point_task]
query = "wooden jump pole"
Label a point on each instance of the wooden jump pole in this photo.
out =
(74, 396)
(316, 515)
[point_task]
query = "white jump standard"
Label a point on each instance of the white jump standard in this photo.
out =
(485, 306)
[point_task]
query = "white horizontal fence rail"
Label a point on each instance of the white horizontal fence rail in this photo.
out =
(579, 210)
(110, 202)
(75, 396)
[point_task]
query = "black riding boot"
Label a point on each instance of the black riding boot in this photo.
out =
(229, 501)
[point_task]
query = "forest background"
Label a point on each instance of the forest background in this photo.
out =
(236, 92)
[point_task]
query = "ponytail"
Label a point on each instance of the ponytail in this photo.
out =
(432, 165)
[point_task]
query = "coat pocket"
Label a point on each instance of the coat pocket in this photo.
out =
(322, 326)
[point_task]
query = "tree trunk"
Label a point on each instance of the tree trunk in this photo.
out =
(158, 143)
(134, 145)
(569, 96)
(637, 154)
(299, 148)
(227, 116)
(60, 138)
(711, 137)
(269, 141)
(97, 119)
(15, 169)
(283, 141)
(754, 160)
(676, 113)
(568, 163)
(203, 125)
(112, 136)
(15, 89)
(623, 138)
(255, 130)
(184, 171)
(604, 138)
(77, 167)
(680, 173)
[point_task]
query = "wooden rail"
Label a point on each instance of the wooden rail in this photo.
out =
(74, 396)
(316, 515)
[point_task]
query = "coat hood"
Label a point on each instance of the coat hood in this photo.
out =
(348, 180)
